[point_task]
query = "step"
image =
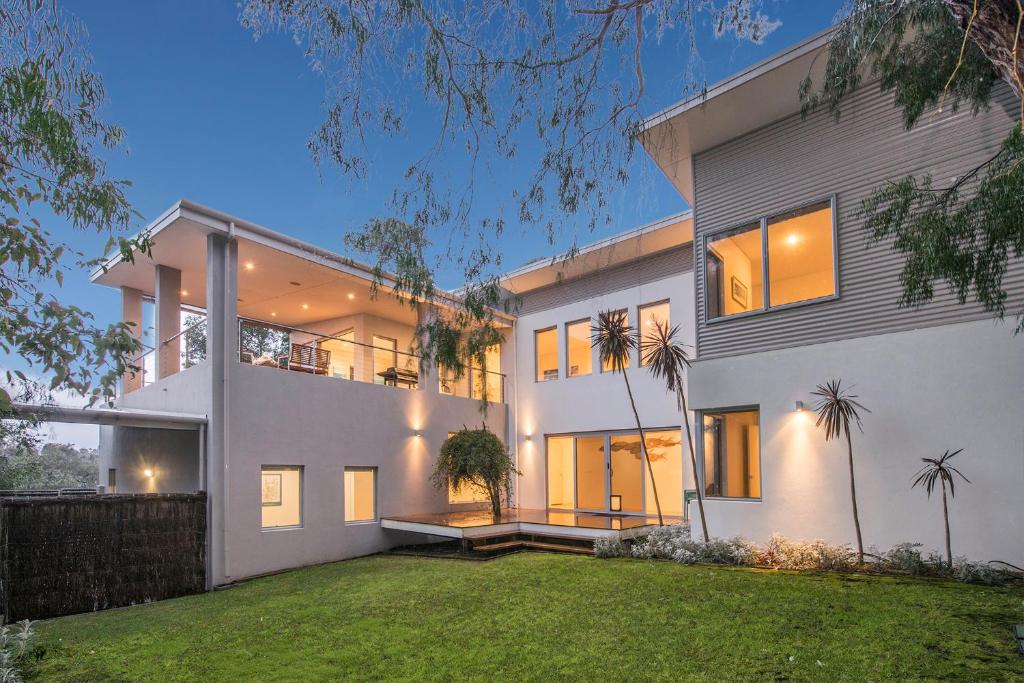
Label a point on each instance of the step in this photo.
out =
(533, 545)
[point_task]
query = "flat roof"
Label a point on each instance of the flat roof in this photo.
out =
(123, 417)
(665, 233)
(750, 99)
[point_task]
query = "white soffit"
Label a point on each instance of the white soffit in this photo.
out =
(751, 99)
(666, 233)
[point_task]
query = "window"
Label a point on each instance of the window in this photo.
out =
(651, 315)
(385, 356)
(343, 354)
(546, 349)
(492, 375)
(795, 249)
(360, 494)
(606, 365)
(733, 270)
(732, 459)
(577, 348)
(800, 255)
(281, 496)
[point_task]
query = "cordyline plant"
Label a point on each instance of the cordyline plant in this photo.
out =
(837, 409)
(667, 360)
(940, 470)
(615, 341)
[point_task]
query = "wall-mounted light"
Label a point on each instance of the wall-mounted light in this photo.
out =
(418, 433)
(799, 407)
(148, 473)
(527, 437)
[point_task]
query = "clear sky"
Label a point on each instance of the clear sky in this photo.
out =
(216, 117)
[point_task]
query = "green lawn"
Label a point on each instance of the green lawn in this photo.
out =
(543, 617)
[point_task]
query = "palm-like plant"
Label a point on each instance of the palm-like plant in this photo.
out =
(939, 470)
(837, 409)
(614, 340)
(667, 360)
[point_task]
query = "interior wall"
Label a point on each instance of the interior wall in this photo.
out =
(172, 455)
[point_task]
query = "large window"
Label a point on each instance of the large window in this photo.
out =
(651, 316)
(732, 454)
(281, 496)
(546, 350)
(360, 494)
(606, 365)
(606, 472)
(577, 348)
(343, 354)
(795, 249)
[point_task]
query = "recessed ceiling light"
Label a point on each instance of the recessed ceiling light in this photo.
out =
(351, 296)
(792, 240)
(184, 292)
(305, 307)
(249, 265)
(273, 314)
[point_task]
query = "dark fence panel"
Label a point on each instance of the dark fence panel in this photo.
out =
(79, 554)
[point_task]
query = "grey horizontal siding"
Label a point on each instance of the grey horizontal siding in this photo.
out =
(633, 274)
(794, 161)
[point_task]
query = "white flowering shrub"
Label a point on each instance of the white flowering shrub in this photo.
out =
(783, 553)
(675, 543)
(609, 546)
(15, 643)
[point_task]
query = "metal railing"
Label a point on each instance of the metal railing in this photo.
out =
(475, 383)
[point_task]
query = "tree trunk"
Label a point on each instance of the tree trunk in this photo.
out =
(693, 464)
(945, 517)
(853, 498)
(495, 493)
(643, 448)
(994, 29)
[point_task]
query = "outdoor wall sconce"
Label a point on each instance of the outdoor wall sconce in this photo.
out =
(615, 503)
(527, 437)
(799, 406)
(148, 473)
(418, 433)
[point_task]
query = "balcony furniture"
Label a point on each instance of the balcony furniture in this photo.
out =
(395, 377)
(266, 361)
(311, 359)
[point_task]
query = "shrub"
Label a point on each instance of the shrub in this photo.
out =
(674, 543)
(783, 553)
(476, 458)
(609, 546)
(15, 643)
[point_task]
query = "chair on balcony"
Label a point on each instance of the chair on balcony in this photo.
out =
(311, 359)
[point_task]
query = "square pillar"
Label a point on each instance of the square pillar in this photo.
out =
(168, 321)
(131, 312)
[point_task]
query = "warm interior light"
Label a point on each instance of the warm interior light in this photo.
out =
(351, 296)
(305, 307)
(793, 239)
(273, 314)
(184, 292)
(249, 265)
(148, 472)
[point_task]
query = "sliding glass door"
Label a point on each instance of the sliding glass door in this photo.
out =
(605, 472)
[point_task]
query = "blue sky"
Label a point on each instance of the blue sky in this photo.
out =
(217, 117)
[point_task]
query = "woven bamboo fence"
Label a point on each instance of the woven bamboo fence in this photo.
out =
(80, 554)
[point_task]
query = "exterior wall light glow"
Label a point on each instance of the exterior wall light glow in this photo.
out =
(148, 473)
(249, 265)
(799, 407)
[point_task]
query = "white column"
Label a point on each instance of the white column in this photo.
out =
(222, 353)
(168, 321)
(131, 312)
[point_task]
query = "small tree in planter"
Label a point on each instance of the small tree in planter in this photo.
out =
(836, 409)
(939, 470)
(476, 458)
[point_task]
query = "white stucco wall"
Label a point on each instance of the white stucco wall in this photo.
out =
(324, 424)
(949, 387)
(598, 401)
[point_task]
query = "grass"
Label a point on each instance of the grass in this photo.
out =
(547, 617)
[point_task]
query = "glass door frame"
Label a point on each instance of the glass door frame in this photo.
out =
(607, 437)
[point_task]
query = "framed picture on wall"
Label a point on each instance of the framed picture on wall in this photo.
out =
(271, 489)
(739, 291)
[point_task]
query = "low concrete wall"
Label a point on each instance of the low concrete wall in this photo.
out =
(949, 387)
(324, 424)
